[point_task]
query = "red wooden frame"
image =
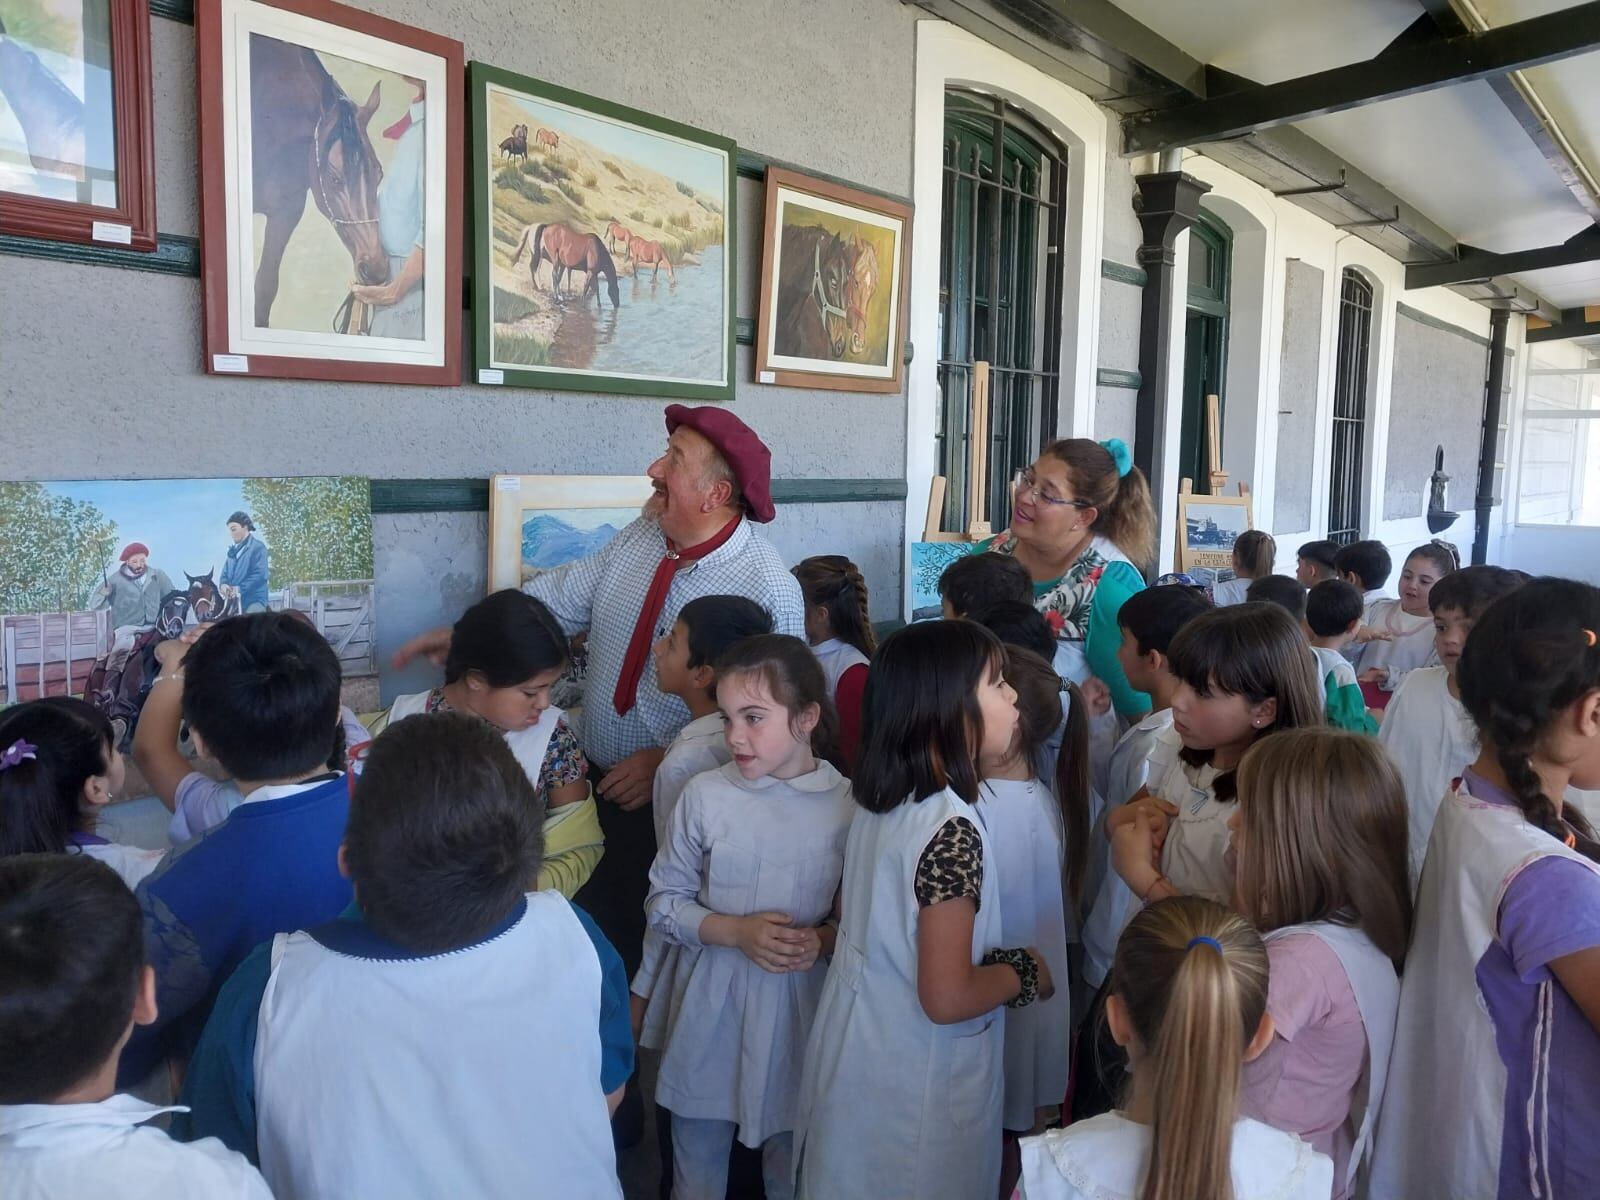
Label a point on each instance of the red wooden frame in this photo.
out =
(133, 132)
(213, 210)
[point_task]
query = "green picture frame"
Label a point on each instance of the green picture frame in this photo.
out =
(560, 180)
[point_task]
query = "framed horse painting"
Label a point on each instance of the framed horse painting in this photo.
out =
(834, 265)
(602, 244)
(330, 200)
(77, 155)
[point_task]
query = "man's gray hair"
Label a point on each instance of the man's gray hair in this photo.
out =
(718, 471)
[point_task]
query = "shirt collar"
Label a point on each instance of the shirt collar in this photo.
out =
(35, 1120)
(824, 779)
(710, 725)
(276, 791)
(732, 548)
(351, 936)
(1480, 788)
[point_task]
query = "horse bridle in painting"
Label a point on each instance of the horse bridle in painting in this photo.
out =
(820, 293)
(327, 209)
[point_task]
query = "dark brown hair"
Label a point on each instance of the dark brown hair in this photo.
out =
(1255, 553)
(1529, 657)
(1125, 513)
(1325, 836)
(794, 679)
(1253, 650)
(833, 583)
(920, 725)
(1039, 690)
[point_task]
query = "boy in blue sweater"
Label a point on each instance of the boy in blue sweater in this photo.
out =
(453, 1033)
(262, 691)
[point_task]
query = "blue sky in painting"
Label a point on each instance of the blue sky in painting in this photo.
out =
(702, 169)
(183, 521)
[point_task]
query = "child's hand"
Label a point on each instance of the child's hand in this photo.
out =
(636, 1007)
(1047, 985)
(811, 950)
(1096, 695)
(766, 940)
(170, 653)
(1156, 810)
(1367, 634)
(1136, 853)
(1373, 675)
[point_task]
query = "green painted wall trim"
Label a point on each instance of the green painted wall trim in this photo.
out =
(1123, 273)
(174, 254)
(1110, 378)
(472, 495)
(1422, 318)
(173, 10)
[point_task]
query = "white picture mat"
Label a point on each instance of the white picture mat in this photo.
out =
(240, 19)
(510, 496)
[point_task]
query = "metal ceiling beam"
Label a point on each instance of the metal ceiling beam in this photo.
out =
(1573, 324)
(1475, 264)
(1424, 66)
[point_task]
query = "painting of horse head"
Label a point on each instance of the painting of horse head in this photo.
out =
(345, 174)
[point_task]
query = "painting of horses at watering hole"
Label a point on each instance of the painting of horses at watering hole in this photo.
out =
(336, 191)
(602, 244)
(94, 573)
(833, 308)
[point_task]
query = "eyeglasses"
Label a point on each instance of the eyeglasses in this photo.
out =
(1028, 482)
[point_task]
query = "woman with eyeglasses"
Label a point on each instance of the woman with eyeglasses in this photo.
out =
(1083, 525)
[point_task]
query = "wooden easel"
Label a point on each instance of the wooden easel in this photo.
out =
(978, 478)
(1219, 477)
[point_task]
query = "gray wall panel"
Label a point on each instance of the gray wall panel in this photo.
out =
(1436, 399)
(1297, 396)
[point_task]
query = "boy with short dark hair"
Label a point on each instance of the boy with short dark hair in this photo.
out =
(73, 985)
(1286, 593)
(1426, 728)
(262, 692)
(1331, 621)
(973, 582)
(452, 1034)
(1366, 566)
(1315, 562)
(1018, 623)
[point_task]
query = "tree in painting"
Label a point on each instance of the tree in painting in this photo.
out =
(55, 549)
(318, 528)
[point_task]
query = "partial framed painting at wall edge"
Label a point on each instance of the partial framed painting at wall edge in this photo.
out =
(131, 222)
(829, 309)
(350, 361)
(558, 518)
(549, 195)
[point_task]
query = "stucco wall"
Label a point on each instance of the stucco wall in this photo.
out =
(1297, 395)
(105, 363)
(1437, 399)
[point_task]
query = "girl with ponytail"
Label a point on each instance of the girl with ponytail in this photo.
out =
(1083, 524)
(840, 632)
(1254, 555)
(1189, 1004)
(1497, 1047)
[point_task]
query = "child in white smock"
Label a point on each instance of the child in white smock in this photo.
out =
(1402, 630)
(741, 891)
(1254, 554)
(1190, 1006)
(902, 1091)
(1243, 673)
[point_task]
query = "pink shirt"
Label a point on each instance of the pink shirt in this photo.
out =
(1305, 1080)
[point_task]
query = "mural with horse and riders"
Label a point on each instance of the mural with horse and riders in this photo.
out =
(607, 244)
(95, 574)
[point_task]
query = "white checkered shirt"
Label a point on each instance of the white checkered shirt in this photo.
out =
(604, 594)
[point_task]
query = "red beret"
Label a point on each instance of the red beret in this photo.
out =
(133, 548)
(746, 454)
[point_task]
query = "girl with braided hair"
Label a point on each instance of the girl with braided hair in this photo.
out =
(840, 632)
(1497, 1046)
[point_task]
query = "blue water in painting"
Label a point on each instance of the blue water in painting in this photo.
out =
(550, 542)
(661, 329)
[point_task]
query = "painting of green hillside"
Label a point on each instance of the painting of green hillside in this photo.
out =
(603, 244)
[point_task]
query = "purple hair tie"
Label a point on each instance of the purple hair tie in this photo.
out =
(17, 752)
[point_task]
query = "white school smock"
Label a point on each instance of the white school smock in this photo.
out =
(104, 1150)
(469, 1073)
(890, 1103)
(1230, 591)
(528, 745)
(1440, 1130)
(731, 1034)
(1028, 845)
(1113, 903)
(699, 747)
(1376, 986)
(131, 863)
(1410, 647)
(1104, 1158)
(836, 658)
(1432, 739)
(1197, 839)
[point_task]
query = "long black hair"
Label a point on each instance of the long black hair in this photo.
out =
(508, 637)
(41, 798)
(921, 726)
(1531, 655)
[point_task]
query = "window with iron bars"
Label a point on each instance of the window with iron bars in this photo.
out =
(1347, 467)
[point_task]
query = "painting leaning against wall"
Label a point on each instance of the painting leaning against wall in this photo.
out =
(95, 573)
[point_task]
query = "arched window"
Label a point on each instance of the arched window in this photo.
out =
(1000, 284)
(1347, 467)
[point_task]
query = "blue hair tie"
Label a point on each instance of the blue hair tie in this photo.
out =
(1204, 941)
(1120, 454)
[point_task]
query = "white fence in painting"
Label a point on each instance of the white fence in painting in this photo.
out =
(52, 654)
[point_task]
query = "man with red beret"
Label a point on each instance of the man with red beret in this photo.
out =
(133, 594)
(695, 538)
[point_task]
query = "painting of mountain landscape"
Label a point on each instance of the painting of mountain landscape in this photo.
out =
(555, 538)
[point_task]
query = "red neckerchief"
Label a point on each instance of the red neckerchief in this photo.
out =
(654, 601)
